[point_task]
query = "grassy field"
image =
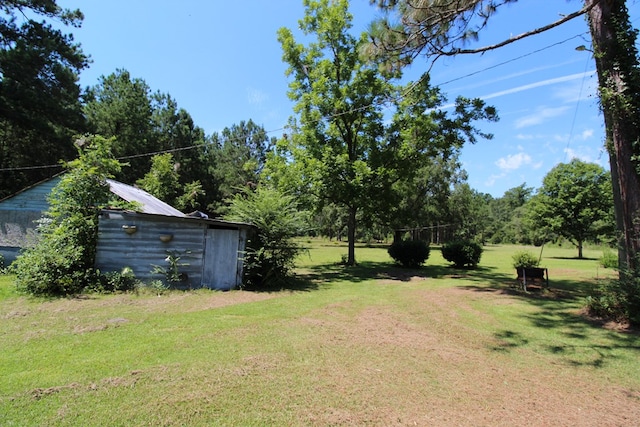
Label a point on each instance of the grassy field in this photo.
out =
(368, 345)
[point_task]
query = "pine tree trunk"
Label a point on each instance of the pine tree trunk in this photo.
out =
(616, 64)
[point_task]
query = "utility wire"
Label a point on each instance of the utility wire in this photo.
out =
(403, 95)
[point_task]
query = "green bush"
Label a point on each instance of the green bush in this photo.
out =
(524, 259)
(270, 252)
(618, 300)
(609, 259)
(114, 281)
(462, 253)
(52, 268)
(409, 253)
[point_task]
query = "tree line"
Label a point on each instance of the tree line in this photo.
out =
(358, 172)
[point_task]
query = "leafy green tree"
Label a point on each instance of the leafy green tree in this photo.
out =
(338, 97)
(348, 156)
(271, 250)
(427, 143)
(162, 180)
(40, 107)
(61, 263)
(192, 193)
(574, 199)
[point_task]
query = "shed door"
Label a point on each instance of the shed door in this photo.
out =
(220, 259)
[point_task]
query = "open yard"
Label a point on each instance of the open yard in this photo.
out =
(372, 345)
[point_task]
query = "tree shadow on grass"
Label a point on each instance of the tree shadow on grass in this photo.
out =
(363, 271)
(317, 276)
(573, 258)
(560, 316)
(371, 270)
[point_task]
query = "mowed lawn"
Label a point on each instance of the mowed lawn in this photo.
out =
(372, 345)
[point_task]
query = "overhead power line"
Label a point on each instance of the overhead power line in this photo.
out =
(397, 98)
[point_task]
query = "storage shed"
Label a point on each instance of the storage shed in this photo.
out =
(210, 250)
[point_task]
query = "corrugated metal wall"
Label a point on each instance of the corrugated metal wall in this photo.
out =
(144, 248)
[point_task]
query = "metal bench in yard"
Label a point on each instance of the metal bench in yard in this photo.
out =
(533, 275)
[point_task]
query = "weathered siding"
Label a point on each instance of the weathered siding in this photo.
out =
(31, 199)
(19, 213)
(143, 249)
(221, 254)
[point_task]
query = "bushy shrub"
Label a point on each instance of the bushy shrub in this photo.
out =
(52, 268)
(462, 253)
(524, 259)
(270, 251)
(609, 259)
(617, 300)
(409, 253)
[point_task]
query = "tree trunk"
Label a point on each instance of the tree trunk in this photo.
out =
(579, 249)
(617, 65)
(351, 231)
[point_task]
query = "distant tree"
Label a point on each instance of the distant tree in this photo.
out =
(145, 123)
(162, 180)
(469, 212)
(40, 107)
(506, 216)
(239, 159)
(119, 106)
(574, 202)
(174, 130)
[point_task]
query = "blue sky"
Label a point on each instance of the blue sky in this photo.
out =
(221, 61)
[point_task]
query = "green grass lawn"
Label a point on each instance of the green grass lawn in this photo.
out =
(368, 345)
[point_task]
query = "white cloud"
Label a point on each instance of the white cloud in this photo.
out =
(256, 96)
(540, 116)
(575, 154)
(513, 162)
(586, 134)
